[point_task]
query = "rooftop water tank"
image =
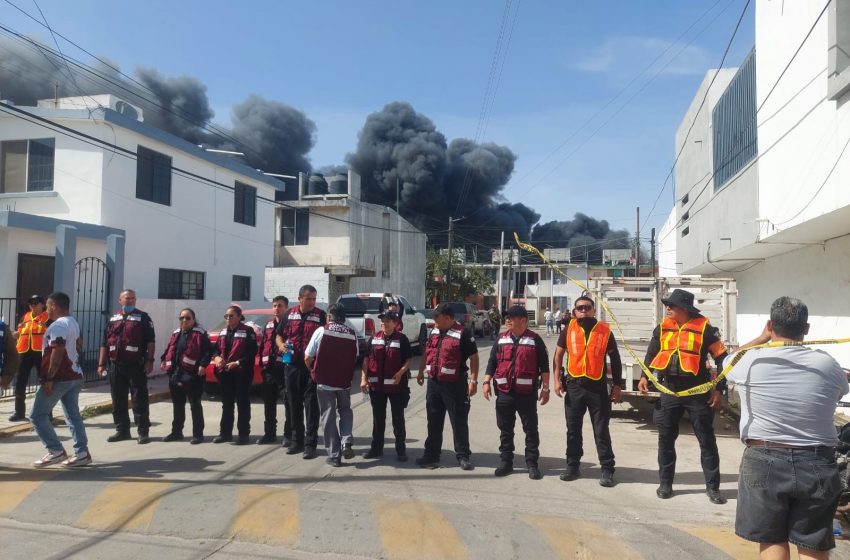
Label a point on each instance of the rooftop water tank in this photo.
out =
(317, 185)
(338, 184)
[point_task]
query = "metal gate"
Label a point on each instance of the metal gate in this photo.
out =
(91, 310)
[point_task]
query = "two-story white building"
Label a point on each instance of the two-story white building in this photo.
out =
(329, 238)
(195, 228)
(761, 185)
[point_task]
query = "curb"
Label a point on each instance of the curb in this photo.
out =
(90, 411)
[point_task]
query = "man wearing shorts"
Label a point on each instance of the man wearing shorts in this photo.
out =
(788, 488)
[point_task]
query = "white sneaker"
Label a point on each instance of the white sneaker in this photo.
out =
(51, 458)
(78, 460)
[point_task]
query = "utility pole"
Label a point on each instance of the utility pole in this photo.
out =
(448, 296)
(637, 244)
(510, 277)
(501, 267)
(652, 252)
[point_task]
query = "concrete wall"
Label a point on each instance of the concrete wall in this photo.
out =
(286, 281)
(329, 242)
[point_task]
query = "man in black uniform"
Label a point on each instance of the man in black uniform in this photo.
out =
(449, 346)
(677, 353)
(129, 343)
(517, 363)
(586, 343)
(274, 380)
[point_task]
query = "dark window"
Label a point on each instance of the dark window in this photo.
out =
(153, 176)
(686, 198)
(686, 231)
(245, 205)
(686, 215)
(180, 284)
(734, 124)
(27, 165)
(241, 288)
(295, 227)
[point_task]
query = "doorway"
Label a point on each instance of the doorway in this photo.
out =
(35, 276)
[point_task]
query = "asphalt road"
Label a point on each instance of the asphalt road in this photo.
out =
(179, 501)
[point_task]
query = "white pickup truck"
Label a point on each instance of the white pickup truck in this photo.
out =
(636, 302)
(362, 312)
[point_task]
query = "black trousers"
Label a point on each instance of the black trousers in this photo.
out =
(398, 402)
(28, 360)
(578, 399)
(303, 405)
(274, 390)
(179, 396)
(129, 378)
(508, 405)
(235, 390)
(668, 413)
(451, 399)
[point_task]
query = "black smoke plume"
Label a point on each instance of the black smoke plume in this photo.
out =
(274, 137)
(586, 236)
(400, 153)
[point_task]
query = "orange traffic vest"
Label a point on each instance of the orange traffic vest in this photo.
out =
(686, 341)
(587, 358)
(31, 332)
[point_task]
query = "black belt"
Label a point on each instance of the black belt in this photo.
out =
(762, 444)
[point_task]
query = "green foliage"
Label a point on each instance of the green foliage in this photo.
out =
(466, 280)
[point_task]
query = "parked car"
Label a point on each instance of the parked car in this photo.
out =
(362, 311)
(256, 318)
(470, 318)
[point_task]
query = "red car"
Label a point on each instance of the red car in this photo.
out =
(257, 318)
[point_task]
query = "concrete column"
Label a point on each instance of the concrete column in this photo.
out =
(66, 258)
(115, 265)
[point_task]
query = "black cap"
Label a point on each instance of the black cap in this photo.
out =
(516, 311)
(682, 300)
(444, 309)
(390, 315)
(35, 298)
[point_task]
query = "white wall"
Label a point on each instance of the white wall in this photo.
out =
(286, 281)
(328, 243)
(666, 249)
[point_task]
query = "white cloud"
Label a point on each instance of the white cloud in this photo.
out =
(627, 54)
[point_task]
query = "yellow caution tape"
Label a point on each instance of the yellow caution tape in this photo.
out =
(699, 389)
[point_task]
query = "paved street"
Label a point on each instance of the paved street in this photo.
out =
(175, 500)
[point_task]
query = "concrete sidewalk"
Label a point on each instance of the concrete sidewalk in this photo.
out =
(94, 398)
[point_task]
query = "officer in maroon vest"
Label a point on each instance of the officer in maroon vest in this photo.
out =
(234, 355)
(517, 364)
(274, 380)
(450, 386)
(129, 343)
(331, 355)
(185, 360)
(302, 321)
(385, 379)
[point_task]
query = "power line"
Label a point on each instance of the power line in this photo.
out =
(97, 142)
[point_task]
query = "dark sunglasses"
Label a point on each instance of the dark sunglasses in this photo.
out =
(184, 318)
(584, 307)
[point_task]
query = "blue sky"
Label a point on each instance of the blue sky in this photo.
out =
(339, 61)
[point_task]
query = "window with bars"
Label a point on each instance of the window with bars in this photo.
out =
(241, 288)
(734, 124)
(153, 176)
(245, 204)
(27, 165)
(180, 284)
(294, 227)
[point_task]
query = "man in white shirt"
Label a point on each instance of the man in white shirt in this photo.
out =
(547, 316)
(789, 485)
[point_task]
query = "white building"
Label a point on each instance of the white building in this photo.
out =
(761, 186)
(197, 228)
(334, 241)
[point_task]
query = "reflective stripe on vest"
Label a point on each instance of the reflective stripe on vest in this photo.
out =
(443, 354)
(31, 332)
(586, 358)
(125, 337)
(191, 353)
(516, 363)
(383, 362)
(685, 341)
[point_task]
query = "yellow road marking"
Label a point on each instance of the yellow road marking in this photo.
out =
(576, 539)
(726, 540)
(124, 505)
(267, 515)
(13, 492)
(415, 529)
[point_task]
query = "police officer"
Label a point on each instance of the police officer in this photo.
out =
(185, 360)
(233, 358)
(518, 365)
(449, 347)
(301, 322)
(129, 343)
(585, 343)
(385, 379)
(29, 336)
(274, 380)
(677, 353)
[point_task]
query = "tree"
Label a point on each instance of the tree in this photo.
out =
(466, 280)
